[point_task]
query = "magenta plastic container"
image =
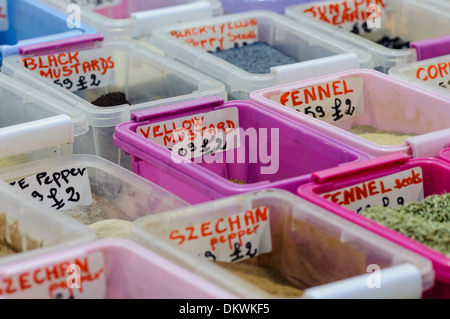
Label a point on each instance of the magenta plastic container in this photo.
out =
(297, 151)
(123, 270)
(436, 180)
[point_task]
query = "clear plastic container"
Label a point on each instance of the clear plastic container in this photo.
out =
(265, 150)
(432, 176)
(319, 253)
(126, 271)
(304, 53)
(399, 117)
(35, 126)
(412, 21)
(102, 195)
(147, 79)
(24, 22)
(430, 74)
(127, 19)
(29, 228)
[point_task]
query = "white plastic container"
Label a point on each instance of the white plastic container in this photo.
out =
(330, 256)
(91, 190)
(148, 80)
(33, 229)
(319, 54)
(35, 126)
(411, 20)
(430, 74)
(372, 99)
(126, 19)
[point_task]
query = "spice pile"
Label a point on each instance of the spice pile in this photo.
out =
(256, 58)
(427, 221)
(111, 99)
(382, 137)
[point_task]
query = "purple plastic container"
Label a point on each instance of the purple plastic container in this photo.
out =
(282, 157)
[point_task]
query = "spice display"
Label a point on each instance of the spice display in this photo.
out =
(11, 240)
(427, 221)
(382, 137)
(255, 58)
(266, 278)
(237, 181)
(112, 228)
(111, 99)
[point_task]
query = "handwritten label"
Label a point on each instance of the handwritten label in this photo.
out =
(358, 16)
(74, 71)
(435, 74)
(84, 279)
(233, 238)
(196, 135)
(60, 188)
(4, 20)
(96, 4)
(329, 102)
(220, 36)
(389, 191)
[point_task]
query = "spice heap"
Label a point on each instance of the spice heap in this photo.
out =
(11, 240)
(427, 221)
(256, 58)
(382, 137)
(393, 43)
(111, 99)
(237, 181)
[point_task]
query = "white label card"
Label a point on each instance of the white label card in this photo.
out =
(196, 135)
(61, 188)
(80, 278)
(389, 191)
(330, 102)
(4, 19)
(96, 4)
(75, 71)
(435, 74)
(220, 36)
(233, 238)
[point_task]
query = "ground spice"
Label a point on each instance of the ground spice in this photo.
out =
(112, 228)
(111, 99)
(382, 137)
(427, 221)
(237, 181)
(86, 214)
(266, 278)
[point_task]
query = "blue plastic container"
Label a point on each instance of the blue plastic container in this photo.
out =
(24, 22)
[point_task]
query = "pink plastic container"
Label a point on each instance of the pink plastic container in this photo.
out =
(380, 101)
(295, 150)
(119, 269)
(435, 173)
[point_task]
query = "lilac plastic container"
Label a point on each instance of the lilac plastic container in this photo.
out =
(301, 151)
(436, 180)
(279, 6)
(124, 269)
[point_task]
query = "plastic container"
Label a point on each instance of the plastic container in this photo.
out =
(269, 150)
(433, 172)
(316, 53)
(126, 271)
(127, 19)
(29, 121)
(278, 6)
(430, 74)
(91, 190)
(29, 229)
(24, 22)
(147, 79)
(412, 21)
(318, 252)
(376, 100)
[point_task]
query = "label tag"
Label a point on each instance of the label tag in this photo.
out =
(221, 36)
(329, 102)
(80, 278)
(357, 16)
(196, 135)
(61, 188)
(75, 71)
(435, 74)
(236, 237)
(96, 4)
(4, 19)
(389, 191)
